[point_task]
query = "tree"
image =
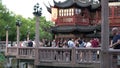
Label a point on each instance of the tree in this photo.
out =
(6, 18)
(45, 27)
(9, 18)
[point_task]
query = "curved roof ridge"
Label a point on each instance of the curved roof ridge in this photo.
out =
(88, 3)
(82, 4)
(48, 8)
(66, 3)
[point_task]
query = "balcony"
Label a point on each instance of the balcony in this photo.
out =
(72, 20)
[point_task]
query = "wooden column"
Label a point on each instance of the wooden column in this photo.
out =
(105, 35)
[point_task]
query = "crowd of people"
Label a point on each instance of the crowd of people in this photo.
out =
(78, 42)
(26, 43)
(63, 43)
(94, 42)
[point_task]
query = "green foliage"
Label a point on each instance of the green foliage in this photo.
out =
(9, 18)
(44, 28)
(2, 60)
(2, 57)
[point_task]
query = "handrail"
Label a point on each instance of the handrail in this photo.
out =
(114, 51)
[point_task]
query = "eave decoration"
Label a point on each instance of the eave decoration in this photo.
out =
(93, 4)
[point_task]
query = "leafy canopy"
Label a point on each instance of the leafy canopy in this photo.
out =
(7, 17)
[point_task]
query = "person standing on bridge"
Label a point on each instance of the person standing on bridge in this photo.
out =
(115, 43)
(30, 43)
(71, 43)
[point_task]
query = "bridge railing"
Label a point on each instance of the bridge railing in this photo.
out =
(63, 55)
(69, 55)
(54, 54)
(2, 48)
(11, 51)
(49, 54)
(3, 45)
(114, 58)
(88, 55)
(26, 53)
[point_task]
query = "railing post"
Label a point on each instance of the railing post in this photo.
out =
(17, 52)
(37, 12)
(37, 40)
(36, 60)
(113, 60)
(73, 56)
(110, 60)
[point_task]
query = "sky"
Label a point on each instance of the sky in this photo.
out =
(25, 7)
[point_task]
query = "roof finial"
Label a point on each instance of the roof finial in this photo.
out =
(48, 8)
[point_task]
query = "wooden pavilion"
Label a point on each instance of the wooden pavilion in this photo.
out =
(81, 18)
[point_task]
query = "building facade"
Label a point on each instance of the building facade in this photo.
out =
(81, 18)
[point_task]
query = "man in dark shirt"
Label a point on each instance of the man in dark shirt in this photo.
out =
(30, 43)
(115, 44)
(116, 38)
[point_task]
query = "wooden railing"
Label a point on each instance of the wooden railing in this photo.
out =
(114, 21)
(72, 20)
(81, 20)
(65, 21)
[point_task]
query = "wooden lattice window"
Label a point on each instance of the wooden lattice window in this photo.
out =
(60, 12)
(110, 11)
(117, 11)
(65, 12)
